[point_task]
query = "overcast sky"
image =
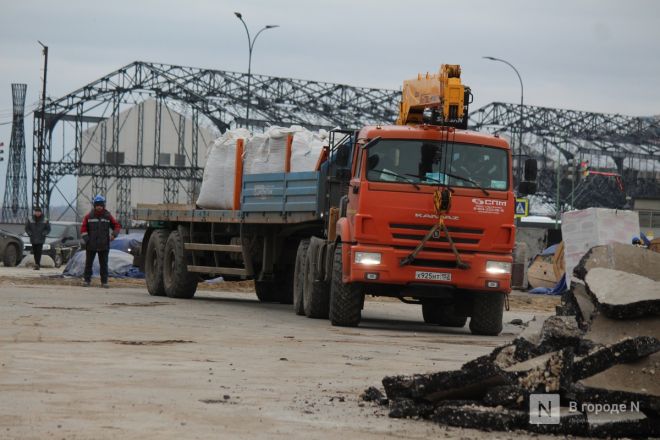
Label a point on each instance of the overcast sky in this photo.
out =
(596, 55)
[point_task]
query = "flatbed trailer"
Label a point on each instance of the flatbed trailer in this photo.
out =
(258, 239)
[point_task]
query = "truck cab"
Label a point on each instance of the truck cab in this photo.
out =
(397, 170)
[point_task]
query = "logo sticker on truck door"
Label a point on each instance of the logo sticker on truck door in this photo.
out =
(489, 206)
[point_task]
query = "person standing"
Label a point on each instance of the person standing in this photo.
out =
(37, 230)
(98, 229)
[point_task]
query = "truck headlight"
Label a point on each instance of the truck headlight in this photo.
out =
(367, 258)
(498, 267)
(46, 247)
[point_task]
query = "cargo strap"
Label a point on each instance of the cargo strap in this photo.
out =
(442, 203)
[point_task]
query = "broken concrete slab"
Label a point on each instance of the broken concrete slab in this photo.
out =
(409, 408)
(548, 373)
(508, 396)
(623, 257)
(637, 382)
(570, 423)
(623, 295)
(627, 350)
(532, 331)
(470, 382)
(373, 394)
(461, 384)
(607, 331)
(586, 309)
(630, 424)
(560, 331)
(481, 417)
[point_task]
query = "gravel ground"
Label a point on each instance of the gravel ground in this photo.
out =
(80, 363)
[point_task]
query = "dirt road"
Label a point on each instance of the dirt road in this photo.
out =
(82, 363)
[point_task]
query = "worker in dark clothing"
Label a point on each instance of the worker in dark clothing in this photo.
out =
(37, 230)
(98, 229)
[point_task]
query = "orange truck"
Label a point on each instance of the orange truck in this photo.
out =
(422, 211)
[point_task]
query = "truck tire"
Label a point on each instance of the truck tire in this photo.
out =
(178, 282)
(345, 299)
(487, 313)
(153, 262)
(11, 256)
(316, 292)
(299, 277)
(442, 314)
(268, 291)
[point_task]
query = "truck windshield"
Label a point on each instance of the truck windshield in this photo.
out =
(433, 163)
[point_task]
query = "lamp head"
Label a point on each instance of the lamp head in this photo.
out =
(490, 58)
(271, 26)
(239, 15)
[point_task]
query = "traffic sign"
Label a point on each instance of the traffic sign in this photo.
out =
(522, 207)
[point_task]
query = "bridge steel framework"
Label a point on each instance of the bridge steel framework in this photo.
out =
(217, 98)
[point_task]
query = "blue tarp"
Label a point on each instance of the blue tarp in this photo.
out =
(124, 242)
(549, 250)
(120, 265)
(557, 290)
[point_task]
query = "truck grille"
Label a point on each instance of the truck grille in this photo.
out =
(413, 234)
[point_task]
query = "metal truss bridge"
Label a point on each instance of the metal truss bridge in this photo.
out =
(217, 99)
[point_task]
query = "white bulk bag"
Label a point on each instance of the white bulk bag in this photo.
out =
(217, 191)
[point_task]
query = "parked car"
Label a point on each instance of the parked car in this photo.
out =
(61, 243)
(11, 248)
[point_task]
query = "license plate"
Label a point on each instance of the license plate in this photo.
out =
(433, 276)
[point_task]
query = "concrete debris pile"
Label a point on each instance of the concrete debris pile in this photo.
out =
(599, 358)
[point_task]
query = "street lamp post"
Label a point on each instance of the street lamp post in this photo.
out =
(520, 123)
(250, 47)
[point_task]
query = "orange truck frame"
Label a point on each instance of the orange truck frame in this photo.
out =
(422, 211)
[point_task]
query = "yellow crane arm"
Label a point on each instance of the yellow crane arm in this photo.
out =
(442, 93)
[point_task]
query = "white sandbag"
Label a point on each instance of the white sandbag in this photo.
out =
(217, 190)
(306, 149)
(266, 152)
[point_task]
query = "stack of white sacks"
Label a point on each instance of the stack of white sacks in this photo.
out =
(262, 153)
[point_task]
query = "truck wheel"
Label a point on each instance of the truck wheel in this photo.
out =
(345, 299)
(299, 277)
(178, 282)
(11, 256)
(153, 263)
(268, 291)
(316, 294)
(442, 314)
(487, 313)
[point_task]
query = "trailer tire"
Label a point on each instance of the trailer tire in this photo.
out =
(178, 282)
(299, 277)
(487, 314)
(316, 292)
(345, 299)
(442, 314)
(153, 262)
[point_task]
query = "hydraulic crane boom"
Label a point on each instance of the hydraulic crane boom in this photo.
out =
(438, 99)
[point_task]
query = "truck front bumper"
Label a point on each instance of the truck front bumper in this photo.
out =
(430, 268)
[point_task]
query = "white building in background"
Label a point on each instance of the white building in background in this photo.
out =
(129, 139)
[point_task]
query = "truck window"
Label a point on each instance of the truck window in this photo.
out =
(433, 163)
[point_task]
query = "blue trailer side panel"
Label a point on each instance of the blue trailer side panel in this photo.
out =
(281, 192)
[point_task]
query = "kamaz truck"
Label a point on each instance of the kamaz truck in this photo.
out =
(421, 210)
